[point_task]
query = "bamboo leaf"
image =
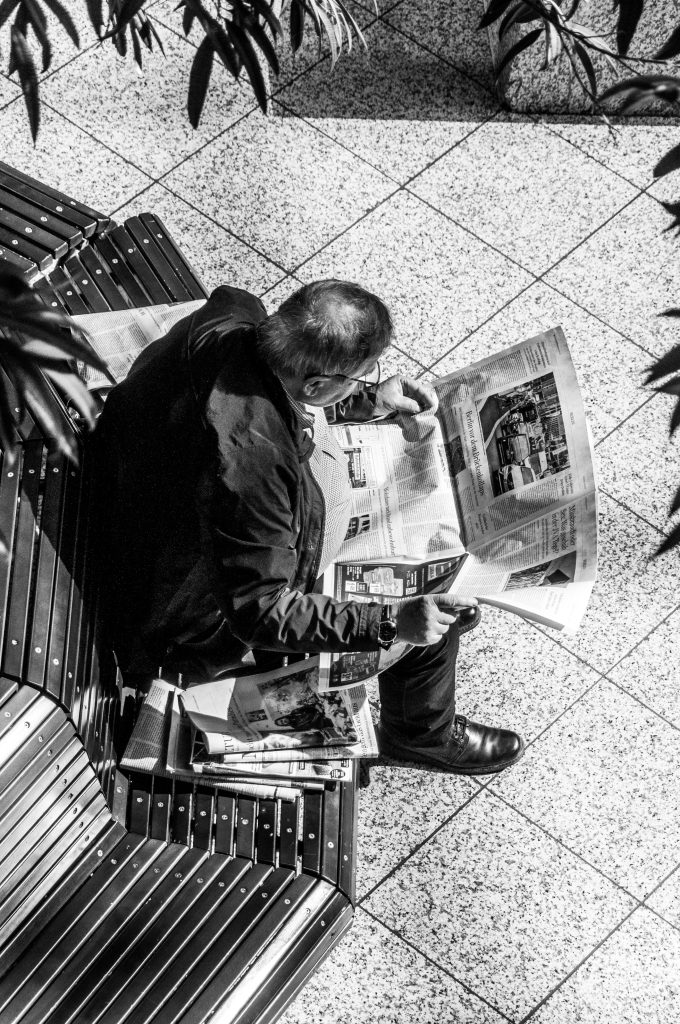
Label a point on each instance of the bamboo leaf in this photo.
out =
(136, 46)
(199, 79)
(95, 12)
(671, 48)
(523, 44)
(671, 387)
(630, 12)
(33, 386)
(65, 19)
(296, 24)
(225, 48)
(553, 45)
(7, 8)
(671, 541)
(675, 504)
(71, 386)
(495, 9)
(587, 65)
(265, 44)
(38, 23)
(188, 18)
(662, 367)
(150, 29)
(519, 15)
(669, 162)
(262, 8)
(244, 48)
(28, 78)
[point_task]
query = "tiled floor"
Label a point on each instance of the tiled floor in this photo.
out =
(552, 892)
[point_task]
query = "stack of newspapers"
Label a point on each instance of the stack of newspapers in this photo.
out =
(277, 724)
(491, 497)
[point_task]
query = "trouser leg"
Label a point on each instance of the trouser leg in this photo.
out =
(417, 694)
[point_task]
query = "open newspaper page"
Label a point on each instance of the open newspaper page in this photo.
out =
(119, 336)
(277, 711)
(520, 455)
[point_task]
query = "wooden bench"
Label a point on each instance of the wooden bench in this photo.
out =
(132, 898)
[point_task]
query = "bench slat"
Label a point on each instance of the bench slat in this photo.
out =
(99, 274)
(246, 818)
(203, 818)
(120, 273)
(330, 842)
(146, 243)
(51, 199)
(129, 252)
(12, 199)
(174, 255)
(312, 825)
(265, 842)
(288, 841)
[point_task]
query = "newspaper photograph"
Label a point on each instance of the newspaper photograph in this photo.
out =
(277, 710)
(511, 444)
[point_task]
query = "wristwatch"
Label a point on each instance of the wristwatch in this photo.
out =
(387, 628)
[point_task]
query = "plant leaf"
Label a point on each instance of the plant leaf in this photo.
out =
(188, 18)
(519, 15)
(630, 12)
(224, 48)
(39, 397)
(71, 385)
(7, 8)
(28, 77)
(587, 64)
(244, 47)
(65, 19)
(675, 504)
(523, 44)
(664, 365)
(265, 44)
(493, 12)
(136, 46)
(553, 44)
(671, 541)
(38, 23)
(669, 162)
(94, 10)
(296, 24)
(199, 79)
(262, 8)
(671, 48)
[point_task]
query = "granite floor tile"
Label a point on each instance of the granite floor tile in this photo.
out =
(372, 977)
(219, 257)
(9, 90)
(512, 676)
(141, 114)
(627, 274)
(631, 979)
(68, 159)
(606, 753)
(639, 462)
(666, 899)
(450, 31)
(398, 810)
(395, 104)
(631, 147)
(523, 189)
(439, 281)
(651, 671)
(498, 903)
(633, 593)
(608, 366)
(290, 189)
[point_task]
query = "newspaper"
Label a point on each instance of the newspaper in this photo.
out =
(277, 711)
(119, 336)
(494, 497)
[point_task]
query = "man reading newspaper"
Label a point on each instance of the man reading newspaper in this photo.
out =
(224, 497)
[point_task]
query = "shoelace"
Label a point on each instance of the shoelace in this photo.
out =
(458, 730)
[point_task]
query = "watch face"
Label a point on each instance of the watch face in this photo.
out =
(387, 631)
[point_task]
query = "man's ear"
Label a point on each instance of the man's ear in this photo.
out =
(312, 385)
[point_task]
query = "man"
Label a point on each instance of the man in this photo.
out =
(225, 496)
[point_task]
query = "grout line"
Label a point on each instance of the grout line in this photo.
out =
(642, 640)
(612, 497)
(566, 978)
(440, 967)
(418, 846)
(625, 419)
(592, 156)
(638, 700)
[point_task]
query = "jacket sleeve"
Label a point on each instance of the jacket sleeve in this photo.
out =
(250, 529)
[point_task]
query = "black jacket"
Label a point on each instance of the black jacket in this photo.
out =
(212, 521)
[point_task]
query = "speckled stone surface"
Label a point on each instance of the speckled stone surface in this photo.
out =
(498, 903)
(512, 676)
(647, 489)
(395, 105)
(651, 672)
(145, 110)
(631, 979)
(666, 899)
(8, 90)
(631, 147)
(608, 366)
(63, 47)
(217, 256)
(509, 186)
(398, 811)
(68, 158)
(449, 30)
(632, 593)
(589, 765)
(627, 273)
(290, 189)
(426, 268)
(382, 979)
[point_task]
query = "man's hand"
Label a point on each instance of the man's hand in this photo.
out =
(404, 395)
(424, 620)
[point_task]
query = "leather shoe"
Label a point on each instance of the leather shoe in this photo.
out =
(468, 619)
(471, 749)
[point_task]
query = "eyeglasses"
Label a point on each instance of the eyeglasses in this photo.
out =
(366, 381)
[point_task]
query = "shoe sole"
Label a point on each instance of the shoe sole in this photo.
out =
(443, 766)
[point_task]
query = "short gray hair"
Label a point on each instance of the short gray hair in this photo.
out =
(326, 327)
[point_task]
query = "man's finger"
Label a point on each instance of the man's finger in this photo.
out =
(408, 406)
(425, 395)
(451, 601)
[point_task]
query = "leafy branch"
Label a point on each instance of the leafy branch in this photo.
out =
(242, 34)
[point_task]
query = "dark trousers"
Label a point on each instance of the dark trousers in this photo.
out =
(417, 694)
